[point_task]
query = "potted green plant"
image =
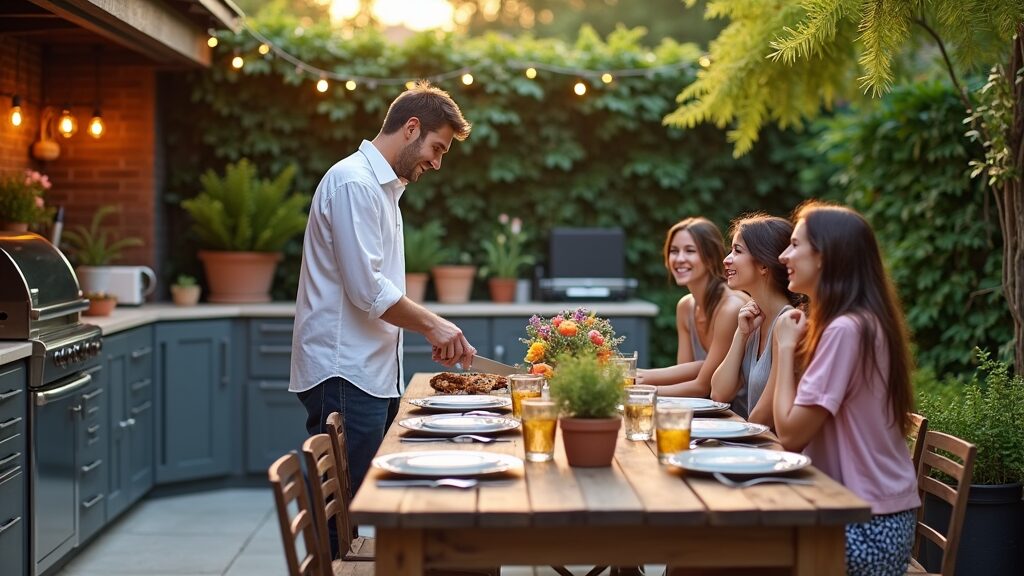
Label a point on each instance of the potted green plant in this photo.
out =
(423, 251)
(185, 291)
(588, 392)
(93, 249)
(988, 412)
(453, 279)
(100, 303)
(21, 200)
(243, 223)
(505, 258)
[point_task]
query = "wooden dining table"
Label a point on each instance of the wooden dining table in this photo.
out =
(634, 512)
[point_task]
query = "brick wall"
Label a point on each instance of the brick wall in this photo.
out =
(26, 82)
(118, 168)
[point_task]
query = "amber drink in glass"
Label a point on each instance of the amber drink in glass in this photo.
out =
(673, 430)
(540, 418)
(628, 366)
(638, 411)
(524, 386)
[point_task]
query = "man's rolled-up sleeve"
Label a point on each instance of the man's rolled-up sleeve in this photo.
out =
(355, 214)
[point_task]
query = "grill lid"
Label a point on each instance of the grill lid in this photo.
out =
(37, 285)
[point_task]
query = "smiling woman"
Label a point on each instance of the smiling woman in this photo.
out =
(413, 14)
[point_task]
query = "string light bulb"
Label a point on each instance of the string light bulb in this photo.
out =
(237, 62)
(607, 78)
(580, 88)
(212, 41)
(67, 125)
(96, 125)
(264, 49)
(322, 85)
(531, 73)
(16, 115)
(467, 78)
(350, 85)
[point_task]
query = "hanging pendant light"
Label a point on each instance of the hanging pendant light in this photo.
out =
(96, 125)
(16, 117)
(67, 124)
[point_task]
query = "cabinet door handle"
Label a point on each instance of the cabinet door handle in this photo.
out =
(269, 349)
(93, 429)
(124, 424)
(140, 409)
(140, 352)
(92, 394)
(8, 395)
(92, 501)
(9, 422)
(499, 352)
(144, 383)
(10, 459)
(275, 328)
(90, 467)
(10, 473)
(225, 367)
(10, 523)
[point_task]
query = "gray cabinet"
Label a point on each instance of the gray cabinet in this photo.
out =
(194, 395)
(13, 469)
(274, 417)
(128, 371)
(92, 456)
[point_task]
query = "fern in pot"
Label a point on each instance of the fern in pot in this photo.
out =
(243, 223)
(588, 390)
(94, 248)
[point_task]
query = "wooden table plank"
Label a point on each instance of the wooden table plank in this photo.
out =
(664, 497)
(834, 502)
(555, 495)
(609, 497)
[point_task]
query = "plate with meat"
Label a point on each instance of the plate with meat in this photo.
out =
(467, 382)
(461, 402)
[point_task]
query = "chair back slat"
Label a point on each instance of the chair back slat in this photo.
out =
(328, 501)
(954, 493)
(915, 437)
(336, 430)
(289, 488)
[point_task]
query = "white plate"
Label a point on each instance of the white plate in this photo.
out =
(698, 405)
(715, 428)
(739, 460)
(437, 463)
(451, 424)
(461, 403)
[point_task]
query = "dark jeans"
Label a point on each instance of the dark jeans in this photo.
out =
(366, 418)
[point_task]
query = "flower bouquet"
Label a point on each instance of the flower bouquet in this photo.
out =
(577, 333)
(21, 199)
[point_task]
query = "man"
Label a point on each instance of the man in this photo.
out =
(350, 307)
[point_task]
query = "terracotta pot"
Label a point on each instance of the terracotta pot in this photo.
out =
(416, 286)
(13, 226)
(239, 277)
(590, 442)
(101, 306)
(185, 295)
(453, 283)
(502, 289)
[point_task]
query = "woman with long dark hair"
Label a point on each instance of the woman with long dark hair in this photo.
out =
(849, 410)
(744, 377)
(705, 318)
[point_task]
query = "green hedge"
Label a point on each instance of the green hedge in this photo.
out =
(537, 150)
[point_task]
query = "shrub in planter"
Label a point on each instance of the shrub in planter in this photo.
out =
(423, 251)
(989, 413)
(588, 391)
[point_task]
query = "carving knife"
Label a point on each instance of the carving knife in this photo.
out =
(484, 364)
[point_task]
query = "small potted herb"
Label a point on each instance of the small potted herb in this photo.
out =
(185, 291)
(588, 391)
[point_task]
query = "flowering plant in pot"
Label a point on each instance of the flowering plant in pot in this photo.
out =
(578, 332)
(505, 258)
(588, 390)
(243, 223)
(423, 251)
(21, 200)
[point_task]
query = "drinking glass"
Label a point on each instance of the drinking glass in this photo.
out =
(628, 366)
(539, 420)
(638, 408)
(524, 386)
(673, 429)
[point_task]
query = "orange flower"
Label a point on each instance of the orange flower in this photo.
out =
(568, 328)
(535, 353)
(542, 369)
(604, 353)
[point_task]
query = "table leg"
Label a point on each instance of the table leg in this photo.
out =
(399, 552)
(820, 551)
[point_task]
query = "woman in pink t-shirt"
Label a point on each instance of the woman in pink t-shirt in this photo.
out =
(849, 410)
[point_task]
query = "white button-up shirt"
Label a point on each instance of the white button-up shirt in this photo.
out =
(353, 270)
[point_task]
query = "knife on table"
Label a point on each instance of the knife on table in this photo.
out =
(485, 364)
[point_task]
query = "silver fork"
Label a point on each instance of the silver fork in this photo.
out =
(761, 480)
(703, 441)
(448, 482)
(460, 439)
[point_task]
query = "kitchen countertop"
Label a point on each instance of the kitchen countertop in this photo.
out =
(14, 350)
(124, 318)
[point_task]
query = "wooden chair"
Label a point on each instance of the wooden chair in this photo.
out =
(289, 487)
(954, 493)
(918, 429)
(360, 548)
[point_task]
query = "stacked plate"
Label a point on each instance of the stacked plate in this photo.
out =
(446, 463)
(454, 424)
(462, 402)
(698, 405)
(739, 461)
(724, 429)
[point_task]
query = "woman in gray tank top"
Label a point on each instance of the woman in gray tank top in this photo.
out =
(752, 265)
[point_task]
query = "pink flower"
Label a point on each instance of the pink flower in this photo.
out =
(595, 337)
(39, 202)
(503, 218)
(517, 225)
